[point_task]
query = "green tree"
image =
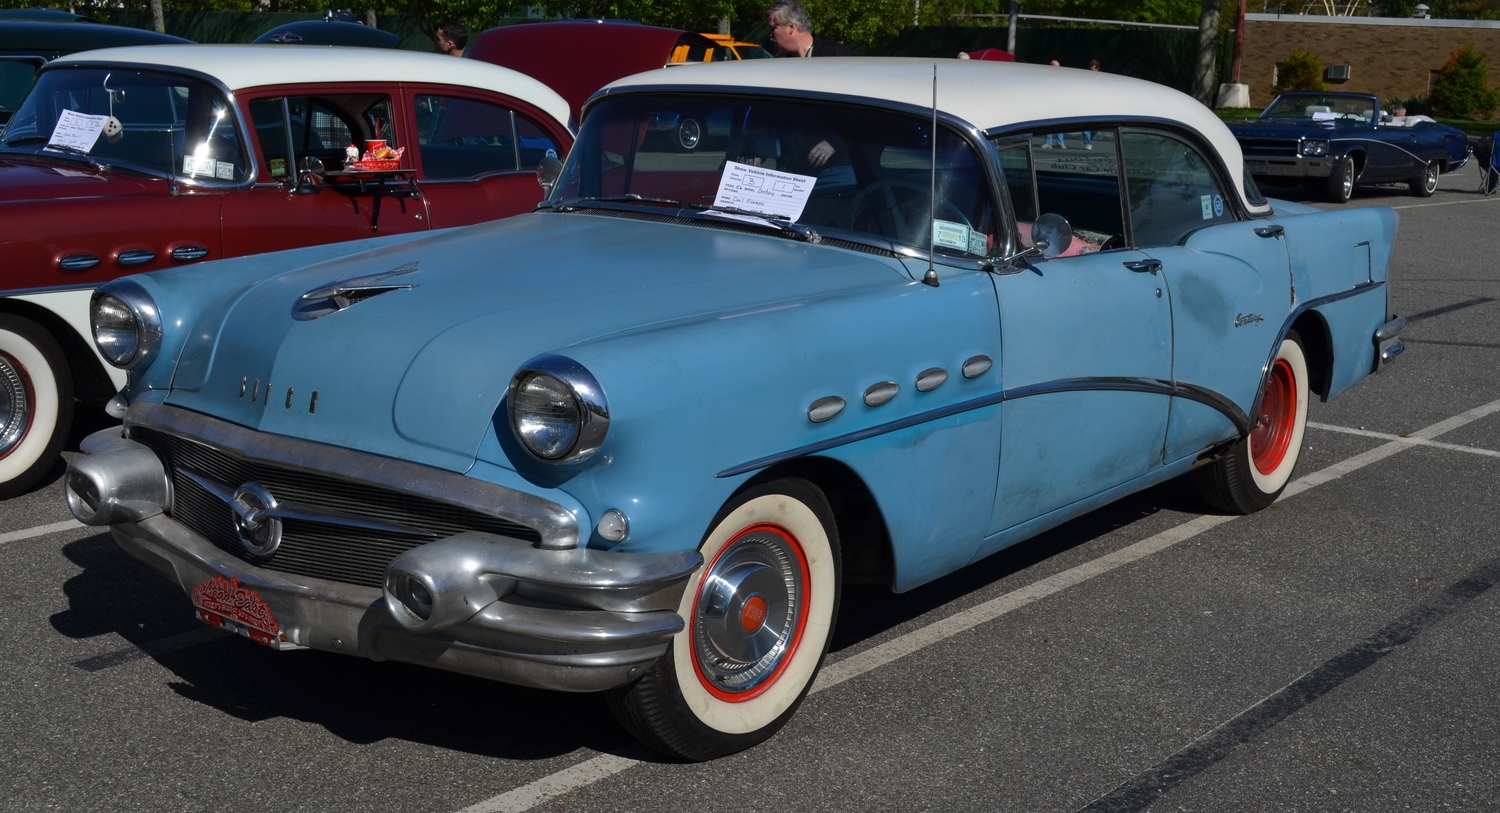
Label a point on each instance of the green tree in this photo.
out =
(1462, 89)
(1301, 70)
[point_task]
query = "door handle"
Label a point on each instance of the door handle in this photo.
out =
(1270, 231)
(1141, 266)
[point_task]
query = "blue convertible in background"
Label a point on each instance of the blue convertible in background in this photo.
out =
(1335, 141)
(891, 318)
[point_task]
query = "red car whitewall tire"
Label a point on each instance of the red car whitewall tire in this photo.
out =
(36, 403)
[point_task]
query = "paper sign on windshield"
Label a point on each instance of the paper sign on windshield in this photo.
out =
(767, 191)
(77, 131)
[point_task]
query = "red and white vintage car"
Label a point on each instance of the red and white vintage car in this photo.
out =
(136, 159)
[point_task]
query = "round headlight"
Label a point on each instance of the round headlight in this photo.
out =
(557, 409)
(1315, 148)
(546, 415)
(125, 324)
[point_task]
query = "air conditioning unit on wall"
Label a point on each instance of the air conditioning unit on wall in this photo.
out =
(1336, 73)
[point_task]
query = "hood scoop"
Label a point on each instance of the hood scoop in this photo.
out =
(348, 291)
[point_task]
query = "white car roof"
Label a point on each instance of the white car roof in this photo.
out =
(240, 67)
(985, 94)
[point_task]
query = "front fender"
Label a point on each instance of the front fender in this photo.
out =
(692, 404)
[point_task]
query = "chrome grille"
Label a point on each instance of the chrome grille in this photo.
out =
(341, 554)
(1273, 147)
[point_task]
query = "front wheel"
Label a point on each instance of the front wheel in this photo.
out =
(1257, 468)
(1425, 184)
(36, 403)
(1341, 181)
(759, 614)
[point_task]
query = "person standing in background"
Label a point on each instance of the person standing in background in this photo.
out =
(791, 31)
(451, 37)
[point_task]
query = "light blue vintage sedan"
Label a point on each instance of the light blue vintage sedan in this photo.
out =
(884, 319)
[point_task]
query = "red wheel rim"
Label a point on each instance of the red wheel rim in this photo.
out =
(752, 613)
(1272, 435)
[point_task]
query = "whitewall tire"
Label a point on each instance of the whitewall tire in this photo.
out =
(758, 616)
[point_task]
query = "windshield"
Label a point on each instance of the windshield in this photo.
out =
(832, 168)
(1319, 106)
(158, 123)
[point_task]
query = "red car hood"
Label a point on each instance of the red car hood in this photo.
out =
(28, 180)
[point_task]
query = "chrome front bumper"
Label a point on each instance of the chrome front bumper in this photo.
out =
(1387, 342)
(478, 603)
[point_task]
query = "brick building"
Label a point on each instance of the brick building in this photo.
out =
(1387, 56)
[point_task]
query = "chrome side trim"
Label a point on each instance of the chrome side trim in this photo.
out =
(1158, 386)
(556, 525)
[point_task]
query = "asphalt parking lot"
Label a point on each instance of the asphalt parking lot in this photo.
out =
(1335, 652)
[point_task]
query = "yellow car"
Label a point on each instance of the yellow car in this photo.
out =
(725, 48)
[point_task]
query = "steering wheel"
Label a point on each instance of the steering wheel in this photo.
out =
(898, 210)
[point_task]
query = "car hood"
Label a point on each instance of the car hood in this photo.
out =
(418, 372)
(22, 179)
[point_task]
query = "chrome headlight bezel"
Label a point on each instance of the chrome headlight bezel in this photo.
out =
(130, 301)
(1313, 147)
(583, 405)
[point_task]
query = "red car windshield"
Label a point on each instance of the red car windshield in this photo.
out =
(154, 122)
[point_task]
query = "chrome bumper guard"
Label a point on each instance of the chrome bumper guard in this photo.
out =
(476, 603)
(1387, 345)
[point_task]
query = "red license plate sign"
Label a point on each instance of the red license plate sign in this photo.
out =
(224, 603)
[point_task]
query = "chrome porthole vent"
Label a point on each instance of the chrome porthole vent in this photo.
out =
(976, 366)
(931, 378)
(882, 393)
(825, 408)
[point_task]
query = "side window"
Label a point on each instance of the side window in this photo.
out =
(1078, 177)
(16, 77)
(322, 127)
(1172, 191)
(464, 138)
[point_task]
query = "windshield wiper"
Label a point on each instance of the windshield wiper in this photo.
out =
(779, 222)
(19, 140)
(570, 204)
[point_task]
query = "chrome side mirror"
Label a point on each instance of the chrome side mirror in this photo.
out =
(1051, 234)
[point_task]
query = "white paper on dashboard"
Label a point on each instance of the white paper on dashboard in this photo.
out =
(77, 131)
(758, 189)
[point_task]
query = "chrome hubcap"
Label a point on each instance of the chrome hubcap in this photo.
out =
(15, 404)
(749, 610)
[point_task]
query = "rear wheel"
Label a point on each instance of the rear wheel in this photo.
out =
(1257, 468)
(1341, 180)
(36, 403)
(1425, 184)
(759, 614)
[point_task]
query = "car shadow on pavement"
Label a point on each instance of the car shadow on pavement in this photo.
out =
(868, 611)
(352, 698)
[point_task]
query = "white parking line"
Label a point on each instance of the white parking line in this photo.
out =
(1452, 447)
(40, 530)
(603, 766)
